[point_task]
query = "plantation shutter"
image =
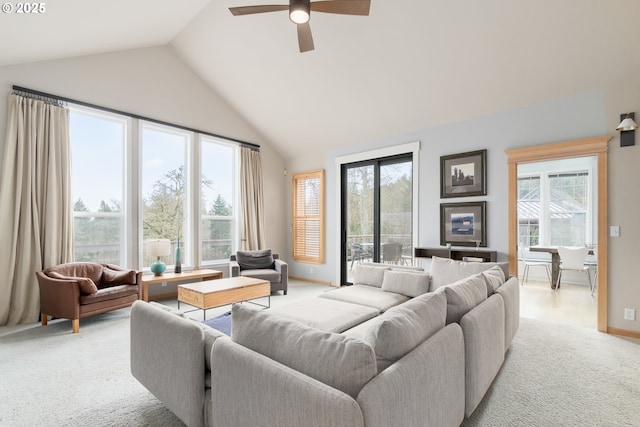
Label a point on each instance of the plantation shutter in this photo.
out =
(308, 217)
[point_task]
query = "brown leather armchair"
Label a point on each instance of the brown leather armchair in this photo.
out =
(81, 289)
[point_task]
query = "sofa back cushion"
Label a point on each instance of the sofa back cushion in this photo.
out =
(406, 282)
(91, 270)
(464, 295)
(340, 361)
(494, 278)
(369, 274)
(254, 260)
(402, 328)
(445, 271)
(112, 277)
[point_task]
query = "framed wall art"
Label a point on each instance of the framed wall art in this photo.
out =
(463, 224)
(463, 174)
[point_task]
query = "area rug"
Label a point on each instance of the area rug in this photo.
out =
(553, 375)
(222, 323)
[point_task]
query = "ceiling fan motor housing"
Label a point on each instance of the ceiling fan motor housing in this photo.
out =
(299, 11)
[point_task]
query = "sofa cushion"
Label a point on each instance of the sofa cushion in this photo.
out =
(117, 277)
(370, 296)
(262, 273)
(369, 274)
(86, 285)
(464, 295)
(409, 283)
(326, 314)
(110, 293)
(339, 361)
(393, 266)
(91, 270)
(401, 329)
(494, 278)
(445, 271)
(252, 260)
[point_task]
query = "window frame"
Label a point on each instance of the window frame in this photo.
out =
(125, 208)
(187, 224)
(298, 182)
(131, 240)
(544, 220)
(235, 197)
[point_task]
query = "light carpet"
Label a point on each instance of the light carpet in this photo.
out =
(554, 375)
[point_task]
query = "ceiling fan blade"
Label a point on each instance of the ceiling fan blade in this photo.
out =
(343, 7)
(248, 10)
(305, 40)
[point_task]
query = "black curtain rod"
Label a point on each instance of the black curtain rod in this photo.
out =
(135, 116)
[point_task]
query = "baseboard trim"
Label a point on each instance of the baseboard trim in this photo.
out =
(623, 332)
(304, 279)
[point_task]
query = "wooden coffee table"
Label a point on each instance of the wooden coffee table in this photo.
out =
(215, 293)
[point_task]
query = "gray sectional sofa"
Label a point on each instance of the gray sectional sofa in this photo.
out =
(400, 347)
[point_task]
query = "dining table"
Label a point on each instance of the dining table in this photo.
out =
(555, 260)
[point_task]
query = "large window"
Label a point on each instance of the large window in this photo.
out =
(164, 186)
(98, 185)
(217, 220)
(555, 203)
(529, 211)
(134, 180)
(569, 194)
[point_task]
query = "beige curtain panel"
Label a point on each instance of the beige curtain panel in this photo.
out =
(251, 199)
(35, 203)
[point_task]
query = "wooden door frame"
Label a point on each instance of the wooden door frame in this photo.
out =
(576, 148)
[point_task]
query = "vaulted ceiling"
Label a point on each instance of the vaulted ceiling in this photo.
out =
(411, 64)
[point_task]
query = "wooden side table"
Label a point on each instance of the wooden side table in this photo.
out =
(177, 277)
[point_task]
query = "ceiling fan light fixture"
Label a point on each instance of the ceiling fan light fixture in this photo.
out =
(299, 11)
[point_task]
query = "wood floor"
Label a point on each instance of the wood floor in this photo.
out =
(571, 304)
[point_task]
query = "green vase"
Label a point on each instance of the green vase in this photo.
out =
(178, 267)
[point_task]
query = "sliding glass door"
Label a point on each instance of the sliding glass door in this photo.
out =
(377, 207)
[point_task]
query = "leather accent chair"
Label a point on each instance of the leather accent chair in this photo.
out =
(81, 289)
(261, 264)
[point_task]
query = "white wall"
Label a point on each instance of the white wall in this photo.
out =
(155, 83)
(580, 116)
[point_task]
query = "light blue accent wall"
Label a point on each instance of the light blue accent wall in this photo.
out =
(562, 119)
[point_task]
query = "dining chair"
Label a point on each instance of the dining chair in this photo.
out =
(529, 262)
(592, 263)
(358, 253)
(391, 252)
(573, 259)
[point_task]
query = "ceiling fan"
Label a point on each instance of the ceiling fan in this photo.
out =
(299, 13)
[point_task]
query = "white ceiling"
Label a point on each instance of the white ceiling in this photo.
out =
(411, 64)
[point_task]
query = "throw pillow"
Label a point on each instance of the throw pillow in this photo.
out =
(254, 260)
(402, 328)
(409, 283)
(464, 295)
(87, 286)
(117, 277)
(445, 271)
(495, 278)
(340, 361)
